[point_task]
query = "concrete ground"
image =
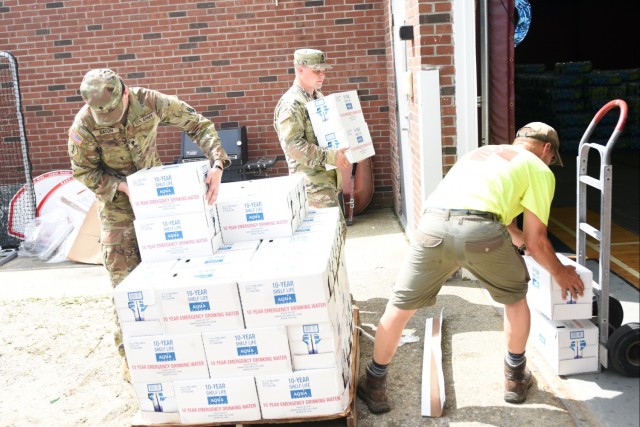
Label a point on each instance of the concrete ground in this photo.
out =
(473, 350)
(472, 342)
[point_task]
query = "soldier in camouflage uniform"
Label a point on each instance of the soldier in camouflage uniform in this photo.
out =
(112, 137)
(299, 142)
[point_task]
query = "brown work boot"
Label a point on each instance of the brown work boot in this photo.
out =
(373, 390)
(517, 382)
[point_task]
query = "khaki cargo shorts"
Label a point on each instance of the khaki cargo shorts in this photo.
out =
(449, 239)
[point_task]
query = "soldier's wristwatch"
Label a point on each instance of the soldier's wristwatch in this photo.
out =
(217, 166)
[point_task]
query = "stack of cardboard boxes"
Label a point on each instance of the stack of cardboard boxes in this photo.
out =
(562, 330)
(259, 326)
(338, 122)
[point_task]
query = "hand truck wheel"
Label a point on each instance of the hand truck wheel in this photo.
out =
(624, 349)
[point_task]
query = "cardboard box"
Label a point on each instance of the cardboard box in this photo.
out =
(338, 121)
(251, 351)
(433, 391)
(77, 205)
(357, 138)
(261, 209)
(86, 247)
(81, 200)
(199, 301)
(278, 289)
(308, 393)
(331, 359)
(318, 233)
(162, 358)
(338, 110)
(545, 295)
(169, 190)
(569, 346)
(135, 299)
(218, 400)
(179, 236)
(324, 345)
(311, 338)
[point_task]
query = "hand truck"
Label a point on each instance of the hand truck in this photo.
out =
(622, 347)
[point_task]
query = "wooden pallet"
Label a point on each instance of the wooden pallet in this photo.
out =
(349, 416)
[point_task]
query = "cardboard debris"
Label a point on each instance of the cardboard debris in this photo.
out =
(432, 374)
(86, 247)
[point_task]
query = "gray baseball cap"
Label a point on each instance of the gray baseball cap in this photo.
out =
(102, 90)
(543, 133)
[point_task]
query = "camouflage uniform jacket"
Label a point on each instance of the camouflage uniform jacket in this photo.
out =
(103, 156)
(299, 142)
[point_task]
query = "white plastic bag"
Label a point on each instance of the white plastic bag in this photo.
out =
(45, 235)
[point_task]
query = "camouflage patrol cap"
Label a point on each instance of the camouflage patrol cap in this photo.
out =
(312, 58)
(102, 90)
(543, 133)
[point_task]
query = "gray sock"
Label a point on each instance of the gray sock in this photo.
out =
(376, 369)
(515, 360)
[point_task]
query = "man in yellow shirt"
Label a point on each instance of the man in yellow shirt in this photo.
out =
(469, 221)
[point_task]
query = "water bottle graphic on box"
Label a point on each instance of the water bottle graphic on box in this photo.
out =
(578, 346)
(137, 305)
(359, 138)
(332, 141)
(311, 337)
(321, 109)
(347, 102)
(156, 396)
(578, 343)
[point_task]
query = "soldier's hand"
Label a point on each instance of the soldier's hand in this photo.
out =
(214, 177)
(570, 281)
(341, 159)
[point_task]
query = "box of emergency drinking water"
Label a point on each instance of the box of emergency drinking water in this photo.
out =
(218, 400)
(179, 236)
(135, 299)
(288, 291)
(320, 225)
(356, 138)
(338, 110)
(311, 338)
(169, 190)
(157, 402)
(161, 358)
(314, 392)
(261, 209)
(251, 351)
(338, 122)
(569, 346)
(316, 346)
(199, 300)
(545, 295)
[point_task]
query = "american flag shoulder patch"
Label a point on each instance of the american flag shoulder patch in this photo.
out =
(77, 139)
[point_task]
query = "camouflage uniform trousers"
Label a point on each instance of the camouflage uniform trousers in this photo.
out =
(120, 253)
(327, 198)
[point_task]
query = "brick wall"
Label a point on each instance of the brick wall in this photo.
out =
(231, 60)
(432, 46)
